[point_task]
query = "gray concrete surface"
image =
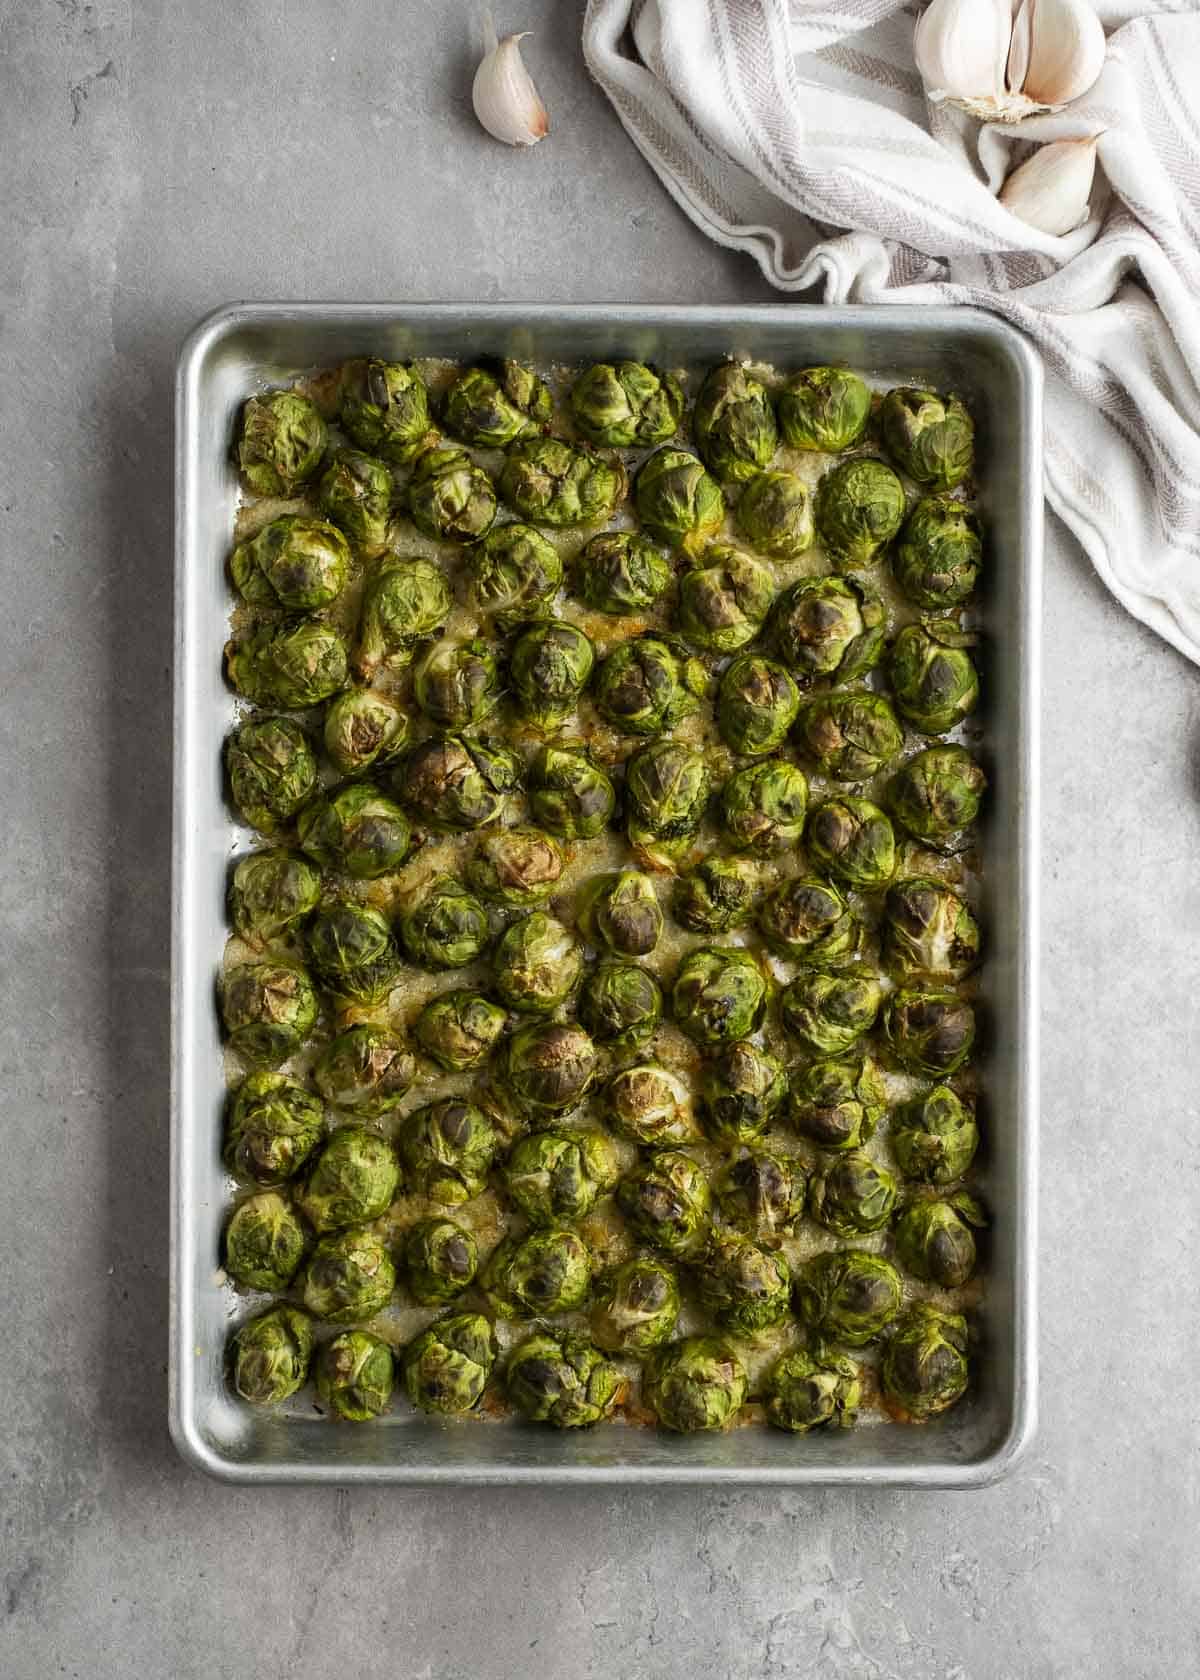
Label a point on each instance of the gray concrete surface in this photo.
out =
(159, 159)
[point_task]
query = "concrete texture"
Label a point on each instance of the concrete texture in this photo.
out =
(158, 160)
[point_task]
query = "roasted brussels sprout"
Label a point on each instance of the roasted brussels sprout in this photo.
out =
(354, 1376)
(292, 665)
(550, 1067)
(458, 1030)
(365, 1069)
(271, 1355)
(454, 784)
(558, 1176)
(838, 1104)
(924, 1369)
(851, 736)
(666, 788)
(515, 574)
(639, 688)
(929, 1032)
(651, 1106)
(635, 1307)
(492, 406)
(859, 508)
(353, 953)
(447, 1366)
(823, 408)
(621, 1005)
(740, 1092)
(774, 514)
(543, 1272)
(352, 1181)
(806, 1391)
(274, 1126)
(756, 705)
(440, 1260)
(762, 1193)
(457, 682)
(549, 669)
(271, 891)
(363, 728)
(677, 501)
(384, 408)
(696, 1383)
(445, 927)
(264, 1242)
(515, 867)
(621, 913)
(268, 1009)
(569, 795)
(623, 404)
(851, 1195)
(563, 1380)
(620, 572)
(724, 600)
(349, 1277)
(827, 627)
(537, 964)
(808, 921)
(928, 929)
(720, 994)
(450, 498)
(854, 840)
(356, 492)
(281, 439)
(734, 423)
(356, 830)
(936, 562)
(295, 563)
(404, 601)
(829, 1013)
(934, 1137)
(848, 1296)
(934, 1240)
(937, 793)
(715, 897)
(746, 1288)
(272, 771)
(764, 805)
(934, 680)
(931, 438)
(551, 482)
(666, 1201)
(448, 1148)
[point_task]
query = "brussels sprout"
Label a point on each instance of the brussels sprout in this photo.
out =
(838, 1104)
(544, 1271)
(851, 736)
(677, 501)
(365, 1069)
(446, 927)
(762, 1193)
(353, 953)
(557, 1176)
(404, 602)
(724, 601)
(639, 688)
(734, 423)
(550, 1067)
(363, 728)
(827, 627)
(549, 668)
(447, 1366)
(515, 574)
(666, 788)
(934, 680)
(929, 1032)
(829, 1013)
(537, 964)
(934, 1137)
(295, 563)
(264, 1242)
(853, 840)
(455, 784)
(934, 1241)
(570, 795)
(624, 404)
(550, 482)
(936, 562)
(620, 572)
(457, 682)
(450, 498)
(281, 440)
(384, 408)
(621, 1005)
(744, 1287)
(269, 892)
(806, 1391)
(924, 1369)
(937, 793)
(651, 1106)
(621, 913)
(824, 408)
(272, 771)
(440, 1259)
(563, 1380)
(929, 929)
(349, 1277)
(851, 1195)
(756, 705)
(931, 438)
(269, 1009)
(720, 994)
(458, 1030)
(274, 1126)
(635, 1307)
(764, 805)
(356, 493)
(354, 1376)
(515, 867)
(448, 1148)
(774, 514)
(848, 1296)
(859, 508)
(808, 921)
(271, 1355)
(696, 1383)
(292, 665)
(717, 896)
(355, 830)
(666, 1201)
(492, 406)
(740, 1093)
(352, 1181)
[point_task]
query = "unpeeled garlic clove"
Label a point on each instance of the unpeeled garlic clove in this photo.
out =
(961, 49)
(1066, 51)
(505, 99)
(1005, 59)
(1051, 189)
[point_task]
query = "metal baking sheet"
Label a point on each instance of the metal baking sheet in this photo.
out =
(246, 346)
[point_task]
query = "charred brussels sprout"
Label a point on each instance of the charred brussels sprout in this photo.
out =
(621, 1005)
(557, 1176)
(929, 930)
(450, 498)
(823, 408)
(447, 1366)
(677, 501)
(281, 440)
(827, 627)
(446, 927)
(764, 806)
(697, 1383)
(808, 921)
(352, 1181)
(550, 1068)
(384, 408)
(543, 1272)
(720, 994)
(264, 1242)
(569, 795)
(274, 1126)
(356, 493)
(404, 602)
(349, 1277)
(934, 680)
(363, 728)
(454, 784)
(774, 514)
(354, 1376)
(929, 1032)
(666, 788)
(651, 1106)
(353, 953)
(937, 793)
(295, 563)
(515, 867)
(635, 1307)
(624, 404)
(562, 1380)
(549, 669)
(268, 1009)
(620, 572)
(271, 891)
(515, 574)
(853, 840)
(666, 1202)
(934, 1137)
(850, 736)
(746, 1288)
(271, 1355)
(859, 509)
(838, 1104)
(365, 1069)
(440, 1259)
(621, 913)
(740, 1093)
(924, 1369)
(762, 1193)
(829, 1013)
(289, 665)
(937, 560)
(931, 438)
(272, 771)
(734, 423)
(448, 1148)
(490, 407)
(852, 1195)
(550, 482)
(458, 1030)
(639, 688)
(724, 601)
(356, 830)
(536, 964)
(457, 682)
(756, 705)
(934, 1240)
(806, 1391)
(849, 1296)
(717, 896)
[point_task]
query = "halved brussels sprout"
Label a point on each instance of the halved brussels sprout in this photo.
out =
(356, 493)
(806, 1391)
(448, 1148)
(848, 1296)
(697, 1383)
(854, 840)
(640, 689)
(762, 1193)
(756, 705)
(827, 627)
(620, 572)
(677, 501)
(453, 784)
(450, 498)
(929, 1032)
(268, 1010)
(363, 728)
(774, 514)
(550, 1067)
(515, 574)
(859, 509)
(746, 1288)
(349, 1276)
(851, 1195)
(405, 601)
(543, 1272)
(492, 406)
(272, 771)
(445, 927)
(354, 1376)
(623, 404)
(621, 1005)
(937, 560)
(515, 867)
(666, 788)
(549, 668)
(458, 1030)
(851, 736)
(352, 1181)
(666, 1201)
(934, 1137)
(447, 1366)
(569, 795)
(717, 896)
(931, 438)
(621, 913)
(365, 1069)
(295, 563)
(720, 994)
(740, 1093)
(650, 1105)
(271, 1355)
(281, 439)
(457, 682)
(274, 1126)
(384, 408)
(825, 408)
(292, 665)
(724, 600)
(934, 680)
(764, 806)
(734, 423)
(937, 793)
(924, 1369)
(356, 830)
(838, 1104)
(563, 1380)
(551, 482)
(635, 1307)
(264, 1242)
(270, 892)
(352, 952)
(929, 929)
(829, 1013)
(556, 1176)
(934, 1240)
(440, 1259)
(536, 965)
(808, 921)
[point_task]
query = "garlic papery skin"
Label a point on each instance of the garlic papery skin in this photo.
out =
(1050, 190)
(1002, 60)
(505, 99)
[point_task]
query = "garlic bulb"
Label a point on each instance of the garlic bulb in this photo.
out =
(1051, 189)
(505, 99)
(1002, 60)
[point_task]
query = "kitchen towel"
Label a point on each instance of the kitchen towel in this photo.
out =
(799, 132)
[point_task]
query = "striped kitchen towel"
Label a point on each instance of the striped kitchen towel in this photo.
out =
(799, 132)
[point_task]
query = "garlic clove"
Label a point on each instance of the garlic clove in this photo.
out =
(1066, 51)
(1018, 51)
(505, 99)
(961, 48)
(1051, 189)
